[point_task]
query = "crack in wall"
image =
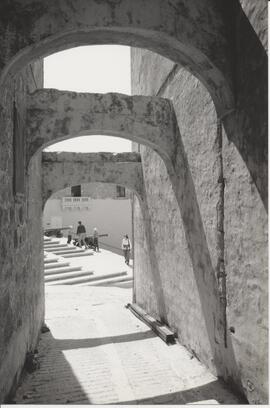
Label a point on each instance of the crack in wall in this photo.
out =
(169, 78)
(220, 271)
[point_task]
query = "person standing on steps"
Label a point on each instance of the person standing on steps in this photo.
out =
(126, 247)
(81, 233)
(95, 239)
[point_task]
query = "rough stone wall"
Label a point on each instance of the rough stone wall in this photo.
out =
(190, 32)
(231, 210)
(21, 283)
(197, 123)
(245, 211)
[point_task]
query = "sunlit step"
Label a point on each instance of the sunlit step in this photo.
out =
(60, 278)
(90, 279)
(53, 265)
(50, 260)
(109, 282)
(52, 243)
(55, 246)
(58, 248)
(66, 269)
(77, 254)
(68, 251)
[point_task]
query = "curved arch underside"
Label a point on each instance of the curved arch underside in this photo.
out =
(190, 32)
(54, 115)
(61, 170)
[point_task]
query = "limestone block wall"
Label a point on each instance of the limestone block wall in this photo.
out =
(245, 210)
(21, 282)
(197, 122)
(225, 181)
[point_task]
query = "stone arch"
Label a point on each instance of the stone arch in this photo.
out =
(54, 115)
(61, 170)
(190, 32)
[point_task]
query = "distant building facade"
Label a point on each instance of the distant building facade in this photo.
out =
(104, 206)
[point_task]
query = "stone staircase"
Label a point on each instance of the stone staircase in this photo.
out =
(58, 271)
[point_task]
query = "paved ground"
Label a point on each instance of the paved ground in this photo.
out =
(98, 352)
(99, 262)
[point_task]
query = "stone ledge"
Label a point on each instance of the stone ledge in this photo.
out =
(91, 157)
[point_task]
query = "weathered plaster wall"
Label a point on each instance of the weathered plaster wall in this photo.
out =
(197, 124)
(54, 115)
(245, 216)
(181, 256)
(21, 283)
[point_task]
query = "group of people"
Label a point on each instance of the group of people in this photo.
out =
(81, 234)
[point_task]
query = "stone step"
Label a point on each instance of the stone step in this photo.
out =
(64, 269)
(55, 246)
(89, 279)
(60, 278)
(52, 265)
(76, 254)
(123, 285)
(50, 260)
(67, 251)
(109, 281)
(46, 239)
(52, 243)
(52, 249)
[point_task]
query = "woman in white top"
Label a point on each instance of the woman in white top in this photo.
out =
(126, 247)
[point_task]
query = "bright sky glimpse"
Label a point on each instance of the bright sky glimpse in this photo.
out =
(101, 68)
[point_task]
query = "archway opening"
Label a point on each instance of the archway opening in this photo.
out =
(95, 69)
(90, 69)
(199, 38)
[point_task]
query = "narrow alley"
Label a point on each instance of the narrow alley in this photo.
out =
(98, 352)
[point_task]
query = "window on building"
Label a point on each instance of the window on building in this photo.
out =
(120, 191)
(76, 191)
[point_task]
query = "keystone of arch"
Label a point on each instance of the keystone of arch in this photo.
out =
(54, 115)
(192, 33)
(61, 170)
